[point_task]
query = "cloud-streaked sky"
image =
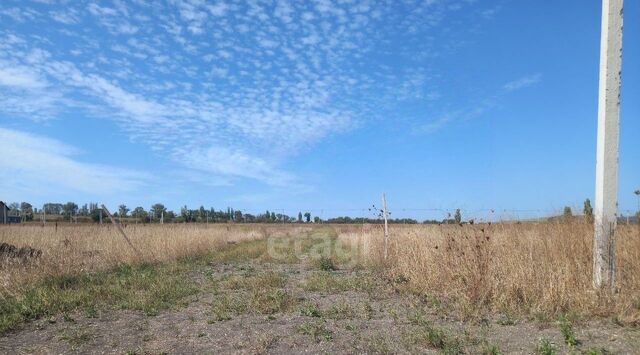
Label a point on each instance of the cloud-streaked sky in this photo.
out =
(309, 105)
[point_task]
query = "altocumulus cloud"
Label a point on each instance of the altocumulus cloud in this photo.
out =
(230, 88)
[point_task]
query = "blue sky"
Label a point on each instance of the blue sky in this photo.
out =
(316, 105)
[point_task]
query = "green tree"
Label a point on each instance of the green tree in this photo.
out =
(185, 214)
(84, 210)
(122, 211)
(27, 211)
(53, 208)
(307, 217)
(139, 213)
(95, 214)
(300, 217)
(588, 211)
(156, 211)
(69, 209)
(457, 216)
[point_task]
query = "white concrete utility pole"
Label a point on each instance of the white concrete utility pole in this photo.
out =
(606, 204)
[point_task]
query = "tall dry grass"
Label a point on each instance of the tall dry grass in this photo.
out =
(69, 249)
(529, 268)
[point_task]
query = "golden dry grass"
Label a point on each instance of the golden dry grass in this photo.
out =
(522, 268)
(71, 249)
(528, 268)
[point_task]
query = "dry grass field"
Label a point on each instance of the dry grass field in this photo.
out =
(540, 269)
(73, 248)
(501, 288)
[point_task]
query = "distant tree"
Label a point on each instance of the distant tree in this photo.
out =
(27, 211)
(156, 211)
(185, 214)
(307, 217)
(237, 216)
(567, 213)
(69, 209)
(300, 217)
(84, 210)
(95, 214)
(588, 211)
(139, 213)
(122, 211)
(273, 216)
(317, 219)
(457, 217)
(52, 208)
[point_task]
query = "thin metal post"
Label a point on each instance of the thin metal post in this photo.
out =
(386, 227)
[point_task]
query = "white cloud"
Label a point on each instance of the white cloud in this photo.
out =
(21, 77)
(68, 17)
(45, 164)
(229, 162)
(219, 9)
(98, 10)
(523, 82)
(225, 88)
(23, 91)
(17, 14)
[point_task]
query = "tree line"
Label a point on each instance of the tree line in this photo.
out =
(71, 211)
(91, 212)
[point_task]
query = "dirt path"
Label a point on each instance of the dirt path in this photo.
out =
(255, 305)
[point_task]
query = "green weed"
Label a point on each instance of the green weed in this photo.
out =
(567, 331)
(317, 330)
(148, 288)
(310, 309)
(545, 347)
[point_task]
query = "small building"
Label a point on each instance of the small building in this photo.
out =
(5, 215)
